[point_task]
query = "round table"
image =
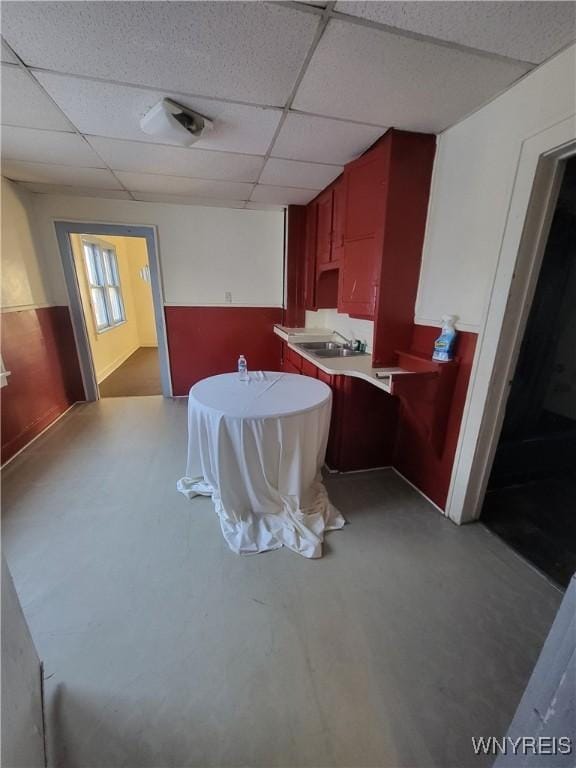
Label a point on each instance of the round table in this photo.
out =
(257, 447)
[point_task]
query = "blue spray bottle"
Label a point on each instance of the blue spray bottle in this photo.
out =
(444, 344)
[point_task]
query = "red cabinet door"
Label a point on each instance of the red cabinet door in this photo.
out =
(310, 260)
(359, 276)
(324, 231)
(338, 215)
(309, 369)
(366, 186)
(287, 367)
(295, 359)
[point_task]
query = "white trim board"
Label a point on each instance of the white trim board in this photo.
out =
(527, 224)
(64, 228)
(28, 307)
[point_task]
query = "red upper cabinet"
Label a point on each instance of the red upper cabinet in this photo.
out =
(365, 198)
(331, 206)
(364, 238)
(324, 230)
(386, 204)
(364, 203)
(409, 177)
(310, 257)
(358, 285)
(338, 221)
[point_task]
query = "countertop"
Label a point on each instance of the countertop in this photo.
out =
(359, 366)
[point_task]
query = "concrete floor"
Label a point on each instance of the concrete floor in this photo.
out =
(163, 649)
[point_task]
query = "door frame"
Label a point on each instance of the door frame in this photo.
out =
(63, 231)
(534, 195)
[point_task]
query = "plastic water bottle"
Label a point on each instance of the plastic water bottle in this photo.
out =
(242, 368)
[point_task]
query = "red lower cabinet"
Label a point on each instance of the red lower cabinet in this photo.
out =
(288, 367)
(294, 359)
(308, 369)
(364, 426)
(364, 418)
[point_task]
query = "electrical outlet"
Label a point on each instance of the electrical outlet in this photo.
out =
(228, 297)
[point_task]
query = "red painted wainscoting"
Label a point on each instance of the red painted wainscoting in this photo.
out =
(416, 458)
(204, 341)
(38, 349)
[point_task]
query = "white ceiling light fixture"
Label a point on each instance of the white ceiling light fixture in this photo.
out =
(175, 123)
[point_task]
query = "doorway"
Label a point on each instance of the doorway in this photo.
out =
(114, 285)
(530, 499)
(113, 276)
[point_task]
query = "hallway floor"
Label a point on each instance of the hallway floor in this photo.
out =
(537, 519)
(163, 649)
(138, 375)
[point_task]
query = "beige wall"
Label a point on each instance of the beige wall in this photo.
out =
(112, 347)
(22, 280)
(141, 291)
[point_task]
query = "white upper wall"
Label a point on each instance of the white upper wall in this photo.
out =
(23, 281)
(204, 252)
(474, 174)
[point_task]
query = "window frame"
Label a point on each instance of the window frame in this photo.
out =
(107, 280)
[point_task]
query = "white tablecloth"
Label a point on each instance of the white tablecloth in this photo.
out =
(257, 448)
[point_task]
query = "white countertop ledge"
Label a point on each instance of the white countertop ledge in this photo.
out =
(359, 366)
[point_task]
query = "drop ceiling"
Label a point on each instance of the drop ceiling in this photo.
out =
(295, 90)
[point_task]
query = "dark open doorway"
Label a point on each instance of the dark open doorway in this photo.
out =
(531, 496)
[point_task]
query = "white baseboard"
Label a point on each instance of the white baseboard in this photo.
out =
(33, 440)
(115, 364)
(356, 471)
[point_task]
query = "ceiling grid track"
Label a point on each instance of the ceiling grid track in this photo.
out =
(398, 31)
(322, 24)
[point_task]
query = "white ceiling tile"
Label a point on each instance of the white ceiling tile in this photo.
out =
(366, 74)
(531, 31)
(24, 103)
(62, 189)
(104, 109)
(244, 51)
(303, 137)
(158, 197)
(44, 173)
(177, 161)
(281, 195)
(292, 173)
(178, 185)
(47, 147)
(7, 55)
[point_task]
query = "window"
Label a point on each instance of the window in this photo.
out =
(104, 284)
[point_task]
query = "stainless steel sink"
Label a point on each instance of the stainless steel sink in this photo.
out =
(341, 352)
(312, 346)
